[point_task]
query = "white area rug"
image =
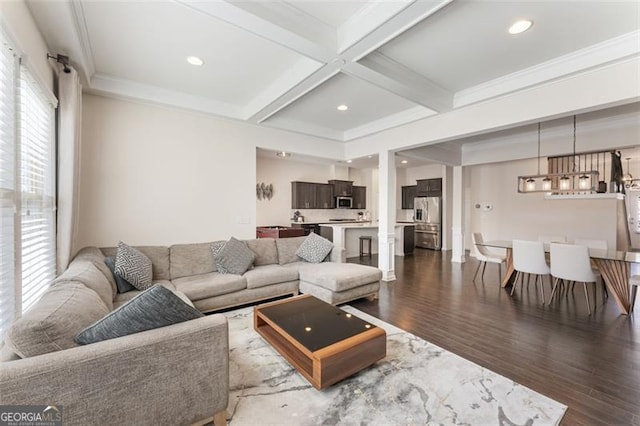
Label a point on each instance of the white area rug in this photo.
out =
(417, 383)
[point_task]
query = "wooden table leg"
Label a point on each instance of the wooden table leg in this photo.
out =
(615, 274)
(509, 268)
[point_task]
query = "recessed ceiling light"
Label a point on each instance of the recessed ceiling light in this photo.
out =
(283, 154)
(371, 156)
(349, 161)
(404, 161)
(342, 107)
(520, 26)
(194, 60)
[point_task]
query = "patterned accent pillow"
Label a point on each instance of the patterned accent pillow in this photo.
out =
(215, 248)
(134, 267)
(234, 257)
(314, 248)
(154, 308)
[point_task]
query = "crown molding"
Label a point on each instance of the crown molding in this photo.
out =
(125, 89)
(615, 49)
(82, 34)
(304, 128)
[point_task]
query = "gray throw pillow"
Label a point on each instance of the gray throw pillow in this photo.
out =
(314, 248)
(234, 257)
(154, 308)
(134, 267)
(122, 284)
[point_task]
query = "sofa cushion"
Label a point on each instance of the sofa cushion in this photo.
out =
(198, 287)
(234, 257)
(261, 276)
(52, 323)
(94, 255)
(287, 248)
(154, 308)
(191, 259)
(122, 284)
(265, 251)
(86, 272)
(339, 276)
(159, 256)
(314, 248)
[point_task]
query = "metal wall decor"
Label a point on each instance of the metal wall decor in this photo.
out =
(264, 191)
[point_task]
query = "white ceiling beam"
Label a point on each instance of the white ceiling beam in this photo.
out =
(309, 83)
(367, 19)
(397, 20)
(246, 19)
(386, 31)
(387, 74)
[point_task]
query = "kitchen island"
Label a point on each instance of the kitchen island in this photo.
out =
(347, 235)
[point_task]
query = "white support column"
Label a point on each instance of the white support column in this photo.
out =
(387, 215)
(457, 228)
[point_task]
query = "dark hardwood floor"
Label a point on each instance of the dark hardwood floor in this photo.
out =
(590, 363)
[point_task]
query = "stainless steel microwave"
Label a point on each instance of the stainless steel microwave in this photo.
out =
(344, 202)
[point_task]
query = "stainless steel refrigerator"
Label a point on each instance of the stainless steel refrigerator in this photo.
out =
(428, 217)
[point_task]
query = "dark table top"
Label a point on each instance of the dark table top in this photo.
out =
(314, 323)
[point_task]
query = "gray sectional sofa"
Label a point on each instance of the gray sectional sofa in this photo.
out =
(172, 375)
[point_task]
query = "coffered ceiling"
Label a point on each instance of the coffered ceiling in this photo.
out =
(289, 64)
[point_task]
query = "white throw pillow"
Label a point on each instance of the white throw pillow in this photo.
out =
(314, 248)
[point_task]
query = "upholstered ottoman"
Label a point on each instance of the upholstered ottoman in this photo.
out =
(338, 283)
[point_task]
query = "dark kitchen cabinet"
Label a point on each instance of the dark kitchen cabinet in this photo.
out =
(303, 195)
(342, 188)
(359, 197)
(408, 194)
(309, 195)
(409, 239)
(429, 187)
(324, 196)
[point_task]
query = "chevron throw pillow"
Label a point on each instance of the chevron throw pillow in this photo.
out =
(134, 267)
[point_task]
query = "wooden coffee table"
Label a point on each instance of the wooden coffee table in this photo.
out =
(322, 342)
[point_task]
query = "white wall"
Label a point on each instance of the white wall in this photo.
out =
(21, 28)
(153, 175)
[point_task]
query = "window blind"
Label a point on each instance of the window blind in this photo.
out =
(37, 201)
(27, 185)
(8, 81)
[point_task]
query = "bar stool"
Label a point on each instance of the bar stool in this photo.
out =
(363, 239)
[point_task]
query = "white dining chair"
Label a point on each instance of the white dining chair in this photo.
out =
(634, 282)
(572, 263)
(594, 244)
(485, 256)
(528, 258)
(548, 239)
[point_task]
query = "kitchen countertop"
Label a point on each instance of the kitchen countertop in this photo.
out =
(360, 225)
(330, 222)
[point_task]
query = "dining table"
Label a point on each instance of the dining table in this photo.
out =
(615, 268)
